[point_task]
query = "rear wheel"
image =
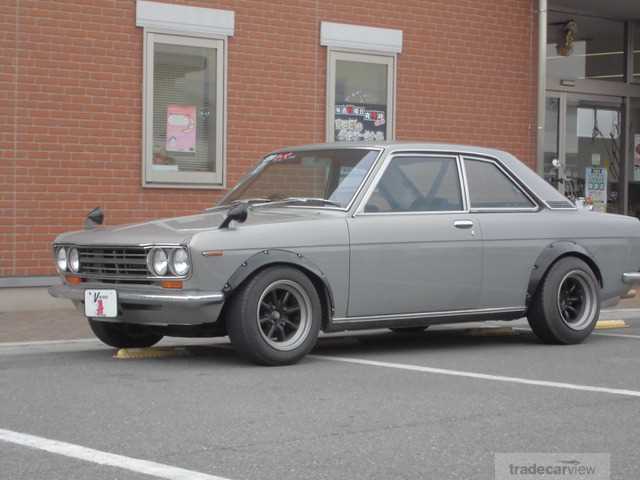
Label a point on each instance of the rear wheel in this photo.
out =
(274, 319)
(566, 306)
(124, 335)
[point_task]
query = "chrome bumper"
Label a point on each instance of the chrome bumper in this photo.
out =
(175, 298)
(631, 277)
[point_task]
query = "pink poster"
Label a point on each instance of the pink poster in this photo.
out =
(181, 128)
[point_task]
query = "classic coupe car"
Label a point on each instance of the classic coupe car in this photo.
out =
(354, 236)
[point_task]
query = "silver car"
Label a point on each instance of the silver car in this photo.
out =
(354, 236)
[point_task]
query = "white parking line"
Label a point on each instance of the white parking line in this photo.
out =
(38, 343)
(145, 467)
(616, 335)
(482, 376)
(616, 311)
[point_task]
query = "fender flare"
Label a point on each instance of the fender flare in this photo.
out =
(285, 257)
(550, 255)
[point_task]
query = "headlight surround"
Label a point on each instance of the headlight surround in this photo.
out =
(180, 264)
(158, 262)
(73, 260)
(61, 259)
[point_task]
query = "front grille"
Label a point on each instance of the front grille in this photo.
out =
(114, 263)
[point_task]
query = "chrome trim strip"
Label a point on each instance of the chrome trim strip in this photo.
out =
(465, 184)
(120, 245)
(445, 313)
(631, 277)
(183, 298)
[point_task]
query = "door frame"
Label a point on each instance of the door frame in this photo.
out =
(563, 97)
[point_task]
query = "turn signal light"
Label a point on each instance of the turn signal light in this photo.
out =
(171, 283)
(72, 280)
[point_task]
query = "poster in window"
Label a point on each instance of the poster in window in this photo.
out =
(356, 122)
(181, 128)
(596, 188)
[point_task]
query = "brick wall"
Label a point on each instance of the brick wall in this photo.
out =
(71, 90)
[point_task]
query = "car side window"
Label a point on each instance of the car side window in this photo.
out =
(418, 184)
(489, 187)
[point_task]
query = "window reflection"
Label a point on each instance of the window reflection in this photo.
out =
(583, 47)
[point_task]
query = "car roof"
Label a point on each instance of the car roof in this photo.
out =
(397, 145)
(541, 188)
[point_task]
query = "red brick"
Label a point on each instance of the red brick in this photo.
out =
(71, 99)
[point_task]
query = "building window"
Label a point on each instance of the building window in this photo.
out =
(184, 111)
(360, 97)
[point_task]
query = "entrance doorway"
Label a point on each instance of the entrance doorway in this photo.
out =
(583, 148)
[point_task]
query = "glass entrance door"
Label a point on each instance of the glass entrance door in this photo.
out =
(634, 154)
(583, 157)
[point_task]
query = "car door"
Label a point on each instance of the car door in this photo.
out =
(414, 246)
(513, 229)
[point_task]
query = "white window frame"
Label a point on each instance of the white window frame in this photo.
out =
(167, 179)
(333, 55)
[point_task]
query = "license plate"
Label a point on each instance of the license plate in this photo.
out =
(101, 303)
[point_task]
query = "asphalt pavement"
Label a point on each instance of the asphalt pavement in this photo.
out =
(373, 405)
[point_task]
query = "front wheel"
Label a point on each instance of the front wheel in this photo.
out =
(274, 319)
(124, 335)
(566, 306)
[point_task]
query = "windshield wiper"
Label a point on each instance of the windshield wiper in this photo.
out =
(322, 201)
(248, 201)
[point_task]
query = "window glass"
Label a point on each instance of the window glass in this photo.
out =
(183, 95)
(333, 175)
(183, 117)
(361, 109)
(489, 187)
(584, 47)
(418, 184)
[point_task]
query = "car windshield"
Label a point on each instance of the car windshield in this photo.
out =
(320, 177)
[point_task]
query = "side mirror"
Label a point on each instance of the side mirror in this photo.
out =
(237, 213)
(95, 218)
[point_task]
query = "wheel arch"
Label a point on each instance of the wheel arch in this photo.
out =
(550, 255)
(275, 257)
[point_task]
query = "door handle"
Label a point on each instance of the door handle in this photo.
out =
(463, 224)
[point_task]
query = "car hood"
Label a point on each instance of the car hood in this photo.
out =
(180, 230)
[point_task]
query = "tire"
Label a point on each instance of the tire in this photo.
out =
(408, 329)
(566, 306)
(275, 317)
(124, 335)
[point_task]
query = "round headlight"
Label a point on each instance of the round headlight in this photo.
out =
(180, 262)
(74, 260)
(158, 262)
(61, 259)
